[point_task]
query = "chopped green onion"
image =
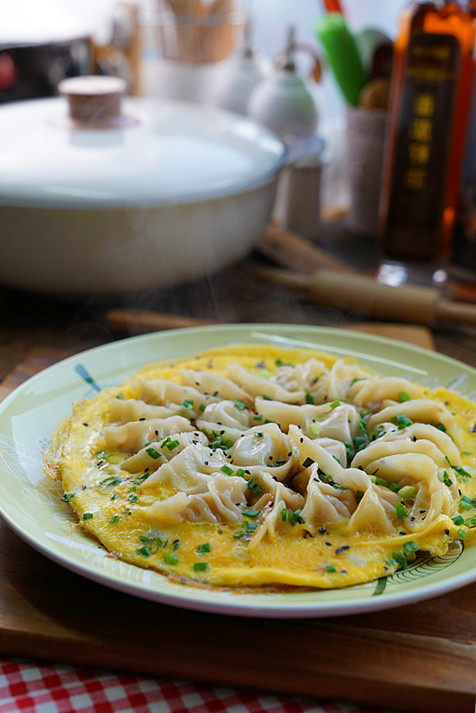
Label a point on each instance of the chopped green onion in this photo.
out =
(152, 453)
(114, 519)
(170, 559)
(240, 405)
(240, 473)
(458, 519)
(201, 408)
(402, 421)
(401, 510)
(400, 559)
(330, 568)
(335, 404)
(227, 470)
(462, 534)
(404, 396)
(266, 398)
(410, 546)
(446, 479)
(279, 362)
(251, 513)
(87, 516)
(407, 492)
(257, 417)
(254, 487)
(145, 551)
(188, 403)
(67, 497)
(200, 566)
(314, 429)
(307, 463)
(467, 503)
(309, 397)
(380, 587)
(203, 549)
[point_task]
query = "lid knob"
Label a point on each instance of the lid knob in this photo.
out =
(95, 101)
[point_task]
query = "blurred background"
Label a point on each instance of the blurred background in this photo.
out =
(232, 160)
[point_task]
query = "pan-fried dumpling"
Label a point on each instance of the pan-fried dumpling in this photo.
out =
(223, 501)
(158, 391)
(182, 470)
(430, 433)
(214, 385)
(261, 386)
(424, 410)
(257, 465)
(285, 414)
(125, 410)
(131, 437)
(228, 418)
(371, 392)
(340, 422)
(300, 377)
(154, 454)
(265, 447)
(335, 384)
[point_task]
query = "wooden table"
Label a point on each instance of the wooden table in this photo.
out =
(365, 658)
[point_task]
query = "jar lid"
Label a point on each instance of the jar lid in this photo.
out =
(163, 152)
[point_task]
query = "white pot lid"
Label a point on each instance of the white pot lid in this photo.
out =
(35, 22)
(176, 152)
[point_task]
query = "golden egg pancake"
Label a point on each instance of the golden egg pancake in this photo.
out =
(253, 466)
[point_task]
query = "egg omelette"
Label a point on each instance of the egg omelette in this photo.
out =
(255, 466)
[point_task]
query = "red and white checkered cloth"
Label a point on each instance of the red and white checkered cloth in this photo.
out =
(27, 687)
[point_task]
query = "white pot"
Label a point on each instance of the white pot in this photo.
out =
(179, 193)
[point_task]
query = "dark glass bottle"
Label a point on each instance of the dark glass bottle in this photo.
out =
(429, 107)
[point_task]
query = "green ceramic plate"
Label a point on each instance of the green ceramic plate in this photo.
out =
(30, 501)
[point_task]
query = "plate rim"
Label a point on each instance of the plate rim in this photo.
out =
(273, 609)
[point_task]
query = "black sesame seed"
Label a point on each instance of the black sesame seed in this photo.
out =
(85, 424)
(338, 550)
(322, 530)
(329, 544)
(142, 418)
(345, 547)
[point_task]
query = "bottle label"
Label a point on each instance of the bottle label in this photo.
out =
(424, 128)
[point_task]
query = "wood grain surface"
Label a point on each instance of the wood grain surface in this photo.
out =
(414, 658)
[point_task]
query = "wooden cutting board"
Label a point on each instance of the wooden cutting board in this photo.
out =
(414, 658)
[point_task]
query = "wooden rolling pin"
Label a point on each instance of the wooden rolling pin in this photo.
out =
(141, 321)
(363, 295)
